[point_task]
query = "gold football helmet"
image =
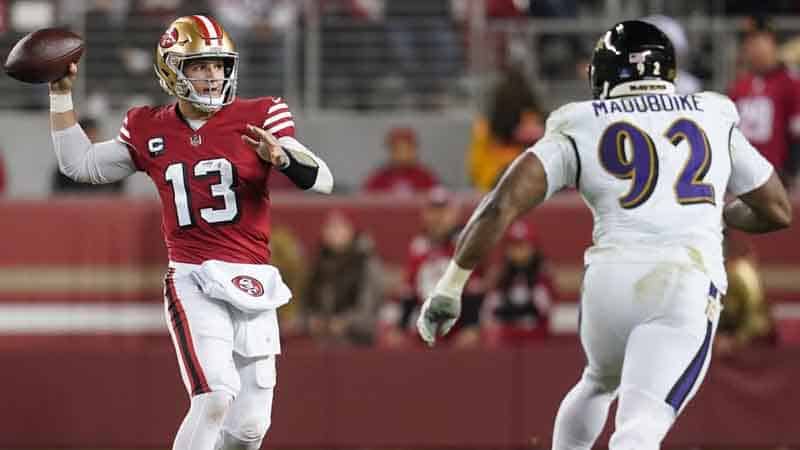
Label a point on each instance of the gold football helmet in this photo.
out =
(196, 37)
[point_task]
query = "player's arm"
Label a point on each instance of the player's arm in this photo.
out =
(306, 170)
(532, 177)
(522, 187)
(78, 158)
(764, 209)
(763, 204)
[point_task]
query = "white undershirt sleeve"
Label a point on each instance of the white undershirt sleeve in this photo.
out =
(559, 160)
(749, 169)
(324, 181)
(82, 161)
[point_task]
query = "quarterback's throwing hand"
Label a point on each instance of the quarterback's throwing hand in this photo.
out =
(266, 146)
(438, 315)
(64, 85)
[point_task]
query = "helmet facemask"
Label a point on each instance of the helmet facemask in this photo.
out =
(185, 90)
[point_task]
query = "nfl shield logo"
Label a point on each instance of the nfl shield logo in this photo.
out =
(195, 140)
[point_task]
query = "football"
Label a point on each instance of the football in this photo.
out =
(44, 55)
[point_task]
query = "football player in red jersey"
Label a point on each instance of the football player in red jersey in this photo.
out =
(210, 155)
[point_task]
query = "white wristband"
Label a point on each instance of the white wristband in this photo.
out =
(453, 280)
(60, 103)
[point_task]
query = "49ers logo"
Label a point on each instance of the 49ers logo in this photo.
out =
(169, 38)
(248, 285)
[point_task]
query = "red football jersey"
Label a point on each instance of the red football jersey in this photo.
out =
(768, 104)
(213, 187)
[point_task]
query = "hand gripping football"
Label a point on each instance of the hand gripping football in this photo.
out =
(44, 55)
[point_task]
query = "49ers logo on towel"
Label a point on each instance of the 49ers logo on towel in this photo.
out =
(248, 285)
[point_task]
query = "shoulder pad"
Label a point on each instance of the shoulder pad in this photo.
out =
(723, 104)
(563, 117)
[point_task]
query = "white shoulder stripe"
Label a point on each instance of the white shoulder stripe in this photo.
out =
(281, 126)
(125, 141)
(277, 107)
(277, 118)
(124, 131)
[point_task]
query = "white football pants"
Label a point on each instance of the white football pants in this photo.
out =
(647, 331)
(231, 395)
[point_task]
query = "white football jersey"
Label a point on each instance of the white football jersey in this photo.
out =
(654, 170)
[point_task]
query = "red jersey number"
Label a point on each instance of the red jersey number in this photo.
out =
(177, 177)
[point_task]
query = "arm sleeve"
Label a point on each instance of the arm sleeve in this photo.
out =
(82, 161)
(749, 170)
(306, 170)
(559, 159)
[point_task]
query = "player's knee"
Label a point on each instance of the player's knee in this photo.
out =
(600, 384)
(212, 406)
(252, 428)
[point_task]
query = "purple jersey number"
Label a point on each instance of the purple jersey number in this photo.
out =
(641, 164)
(689, 187)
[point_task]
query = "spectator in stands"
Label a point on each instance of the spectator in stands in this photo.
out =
(345, 288)
(403, 173)
(515, 122)
(423, 43)
(768, 100)
(745, 319)
(517, 306)
(427, 258)
(61, 184)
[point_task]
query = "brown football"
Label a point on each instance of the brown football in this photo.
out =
(44, 55)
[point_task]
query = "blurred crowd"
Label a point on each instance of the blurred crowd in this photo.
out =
(354, 54)
(416, 53)
(346, 296)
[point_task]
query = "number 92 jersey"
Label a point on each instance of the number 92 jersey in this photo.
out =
(213, 187)
(654, 170)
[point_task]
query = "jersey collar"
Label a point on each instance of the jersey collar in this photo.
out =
(640, 87)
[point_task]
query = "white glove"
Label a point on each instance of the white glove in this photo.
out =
(438, 315)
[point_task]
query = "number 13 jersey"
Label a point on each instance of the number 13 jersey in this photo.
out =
(213, 187)
(654, 170)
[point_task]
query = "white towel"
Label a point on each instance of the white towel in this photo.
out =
(251, 288)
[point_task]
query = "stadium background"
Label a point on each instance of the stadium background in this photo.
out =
(85, 357)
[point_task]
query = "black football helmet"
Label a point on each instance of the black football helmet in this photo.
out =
(631, 51)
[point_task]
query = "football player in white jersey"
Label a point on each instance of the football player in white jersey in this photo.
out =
(654, 168)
